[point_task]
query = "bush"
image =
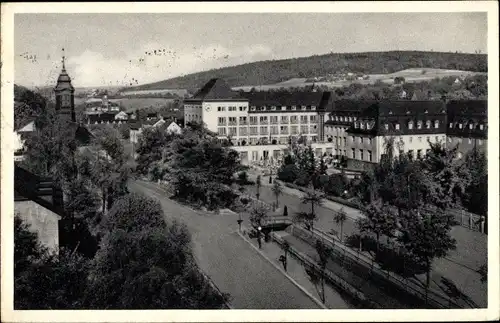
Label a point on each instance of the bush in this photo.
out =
(243, 178)
(288, 173)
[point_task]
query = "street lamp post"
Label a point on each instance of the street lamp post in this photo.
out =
(259, 229)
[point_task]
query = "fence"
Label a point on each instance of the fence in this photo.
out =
(366, 269)
(333, 279)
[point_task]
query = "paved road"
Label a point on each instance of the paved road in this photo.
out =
(460, 265)
(231, 263)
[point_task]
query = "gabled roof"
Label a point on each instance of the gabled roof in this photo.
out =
(27, 126)
(216, 89)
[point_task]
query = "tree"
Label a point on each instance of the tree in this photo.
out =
(426, 236)
(380, 220)
(324, 253)
(43, 280)
(277, 191)
(145, 264)
(340, 217)
(483, 271)
(257, 215)
(314, 199)
(243, 177)
(288, 173)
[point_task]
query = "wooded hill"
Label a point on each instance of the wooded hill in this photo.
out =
(275, 71)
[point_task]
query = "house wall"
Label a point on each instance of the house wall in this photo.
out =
(465, 145)
(40, 220)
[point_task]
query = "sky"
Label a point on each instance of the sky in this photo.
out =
(109, 49)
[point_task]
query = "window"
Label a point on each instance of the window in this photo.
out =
(460, 126)
(451, 124)
(243, 120)
(361, 140)
(303, 107)
(436, 124)
(419, 154)
(303, 119)
(390, 112)
(353, 139)
(345, 141)
(428, 124)
(304, 129)
(253, 120)
(255, 155)
(232, 131)
(369, 141)
(419, 124)
(293, 119)
(361, 154)
(410, 154)
(356, 125)
(232, 121)
(481, 127)
(264, 130)
(274, 119)
(396, 126)
(252, 108)
(361, 125)
(294, 107)
(284, 130)
(263, 120)
(243, 131)
(480, 142)
(353, 153)
(370, 155)
(242, 109)
(419, 139)
(426, 111)
(219, 109)
(222, 121)
(273, 108)
(295, 130)
(254, 130)
(312, 119)
(386, 126)
(410, 125)
(437, 138)
(471, 126)
(221, 131)
(284, 119)
(313, 107)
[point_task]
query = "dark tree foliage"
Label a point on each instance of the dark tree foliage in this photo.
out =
(274, 71)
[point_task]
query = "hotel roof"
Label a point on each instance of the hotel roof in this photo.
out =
(215, 89)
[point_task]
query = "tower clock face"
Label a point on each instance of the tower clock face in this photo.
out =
(208, 108)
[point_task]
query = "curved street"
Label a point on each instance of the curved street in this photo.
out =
(231, 263)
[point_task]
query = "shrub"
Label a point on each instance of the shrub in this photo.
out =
(288, 173)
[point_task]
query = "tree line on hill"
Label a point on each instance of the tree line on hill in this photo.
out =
(473, 87)
(120, 253)
(275, 71)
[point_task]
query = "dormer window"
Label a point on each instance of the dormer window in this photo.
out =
(396, 126)
(283, 108)
(390, 111)
(460, 126)
(471, 126)
(481, 127)
(428, 124)
(361, 125)
(356, 125)
(410, 125)
(419, 124)
(304, 107)
(436, 124)
(273, 108)
(386, 126)
(426, 111)
(313, 107)
(294, 108)
(451, 124)
(252, 108)
(408, 112)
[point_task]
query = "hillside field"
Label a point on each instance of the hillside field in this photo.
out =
(411, 75)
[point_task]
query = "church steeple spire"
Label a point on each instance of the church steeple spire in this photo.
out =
(64, 91)
(63, 60)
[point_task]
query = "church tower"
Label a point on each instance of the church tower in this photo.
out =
(65, 95)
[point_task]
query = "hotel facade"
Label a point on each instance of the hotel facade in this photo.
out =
(261, 125)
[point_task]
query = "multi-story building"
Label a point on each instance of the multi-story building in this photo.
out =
(467, 125)
(260, 125)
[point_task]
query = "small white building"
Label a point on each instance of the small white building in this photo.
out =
(174, 128)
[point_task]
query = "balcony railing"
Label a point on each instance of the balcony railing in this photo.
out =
(263, 122)
(232, 123)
